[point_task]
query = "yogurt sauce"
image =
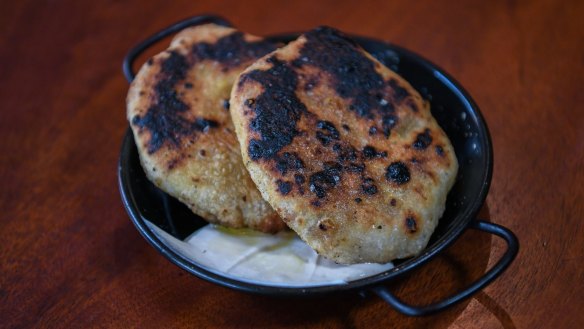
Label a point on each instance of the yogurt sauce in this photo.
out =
(280, 260)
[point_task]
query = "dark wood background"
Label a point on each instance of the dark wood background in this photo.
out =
(70, 257)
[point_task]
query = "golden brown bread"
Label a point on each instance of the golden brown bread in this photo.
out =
(343, 148)
(179, 112)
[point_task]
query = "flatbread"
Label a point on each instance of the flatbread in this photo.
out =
(178, 109)
(343, 148)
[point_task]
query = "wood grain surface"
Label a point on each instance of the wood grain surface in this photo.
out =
(70, 257)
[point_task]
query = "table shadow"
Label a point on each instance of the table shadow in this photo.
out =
(495, 308)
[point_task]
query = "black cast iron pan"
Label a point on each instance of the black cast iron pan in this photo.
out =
(454, 110)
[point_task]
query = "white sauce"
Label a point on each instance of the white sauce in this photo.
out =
(281, 260)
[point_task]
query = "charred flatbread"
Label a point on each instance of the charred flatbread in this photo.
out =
(343, 148)
(178, 109)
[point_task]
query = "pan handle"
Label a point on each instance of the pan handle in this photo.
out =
(139, 48)
(492, 274)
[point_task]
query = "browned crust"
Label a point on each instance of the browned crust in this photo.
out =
(179, 112)
(343, 148)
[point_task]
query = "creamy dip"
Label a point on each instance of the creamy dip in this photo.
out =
(281, 260)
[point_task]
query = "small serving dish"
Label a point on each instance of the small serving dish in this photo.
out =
(152, 211)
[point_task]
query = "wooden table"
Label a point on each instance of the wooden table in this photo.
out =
(70, 257)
